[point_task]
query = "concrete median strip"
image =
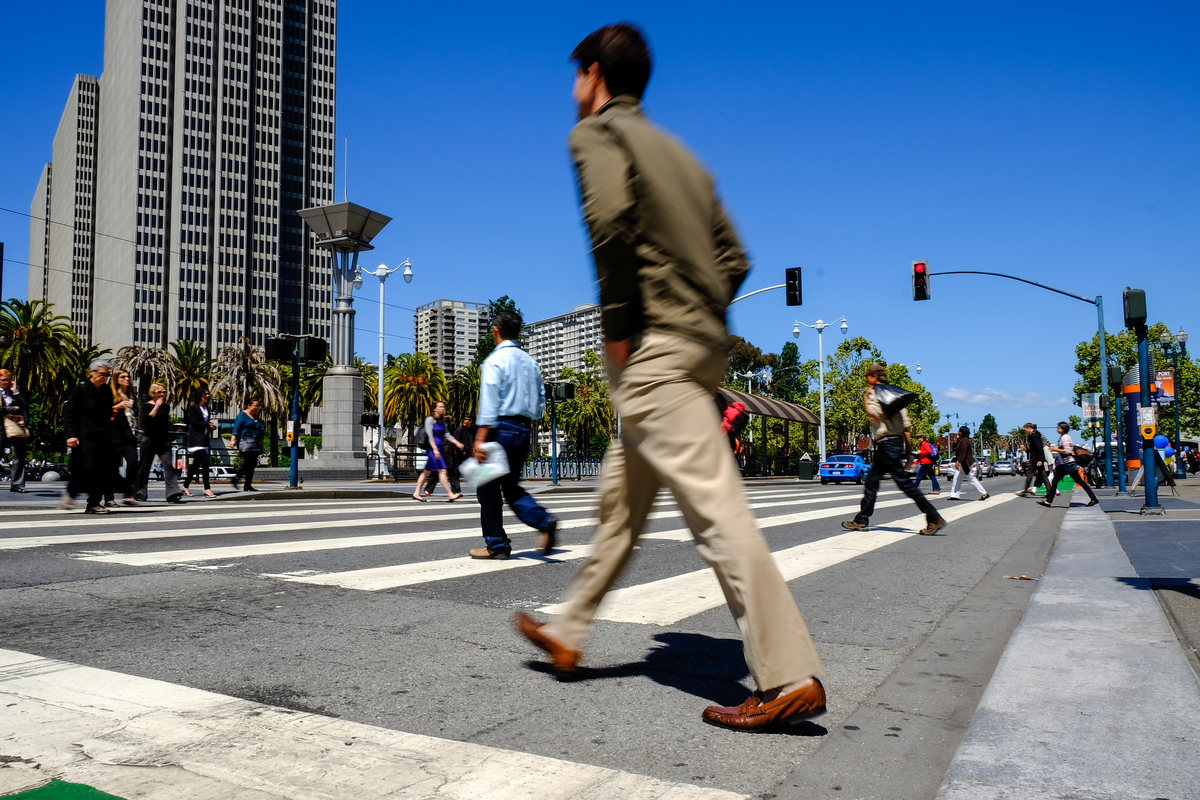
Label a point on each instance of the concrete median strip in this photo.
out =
(667, 601)
(104, 729)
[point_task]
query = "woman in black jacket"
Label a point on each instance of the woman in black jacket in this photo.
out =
(14, 404)
(199, 432)
(124, 420)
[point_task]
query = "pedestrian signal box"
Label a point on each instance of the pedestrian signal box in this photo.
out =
(278, 349)
(1135, 307)
(795, 291)
(560, 392)
(920, 280)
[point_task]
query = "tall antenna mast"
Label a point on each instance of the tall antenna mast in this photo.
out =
(346, 172)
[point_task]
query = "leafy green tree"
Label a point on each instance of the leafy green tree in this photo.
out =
(922, 415)
(590, 413)
(745, 357)
(486, 345)
(788, 381)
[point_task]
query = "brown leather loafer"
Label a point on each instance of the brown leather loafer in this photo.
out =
(851, 525)
(483, 552)
(564, 660)
(933, 527)
(755, 716)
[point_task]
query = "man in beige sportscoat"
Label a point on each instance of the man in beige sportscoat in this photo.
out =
(668, 263)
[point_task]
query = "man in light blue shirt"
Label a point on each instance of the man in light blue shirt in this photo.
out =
(511, 397)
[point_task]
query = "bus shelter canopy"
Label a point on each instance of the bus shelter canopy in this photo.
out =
(767, 407)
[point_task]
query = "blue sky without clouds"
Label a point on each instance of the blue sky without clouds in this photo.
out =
(1055, 141)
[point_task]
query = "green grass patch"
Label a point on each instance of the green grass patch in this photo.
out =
(61, 790)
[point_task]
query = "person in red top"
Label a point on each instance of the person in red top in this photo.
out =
(926, 465)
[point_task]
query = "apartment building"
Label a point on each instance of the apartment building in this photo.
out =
(449, 330)
(560, 342)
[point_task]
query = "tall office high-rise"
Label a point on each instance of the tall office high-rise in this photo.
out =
(216, 124)
(448, 331)
(61, 257)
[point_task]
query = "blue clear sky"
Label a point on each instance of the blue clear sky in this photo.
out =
(1055, 141)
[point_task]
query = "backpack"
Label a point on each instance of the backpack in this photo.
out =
(933, 451)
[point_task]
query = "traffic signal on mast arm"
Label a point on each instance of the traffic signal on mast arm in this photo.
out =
(920, 280)
(795, 293)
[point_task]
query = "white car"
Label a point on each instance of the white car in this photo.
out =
(222, 473)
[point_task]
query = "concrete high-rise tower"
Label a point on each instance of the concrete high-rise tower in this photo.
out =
(216, 124)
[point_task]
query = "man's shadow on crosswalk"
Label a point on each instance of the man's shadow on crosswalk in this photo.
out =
(705, 666)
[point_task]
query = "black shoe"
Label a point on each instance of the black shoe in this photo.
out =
(96, 510)
(175, 498)
(234, 484)
(251, 489)
(548, 538)
(20, 489)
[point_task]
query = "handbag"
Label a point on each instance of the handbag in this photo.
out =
(14, 429)
(250, 446)
(892, 399)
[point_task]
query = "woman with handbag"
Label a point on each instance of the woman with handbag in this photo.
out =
(436, 436)
(247, 438)
(15, 433)
(124, 420)
(155, 425)
(199, 431)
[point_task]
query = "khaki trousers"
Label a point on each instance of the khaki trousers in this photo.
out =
(671, 436)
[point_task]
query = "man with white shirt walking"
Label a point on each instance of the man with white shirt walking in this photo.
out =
(511, 397)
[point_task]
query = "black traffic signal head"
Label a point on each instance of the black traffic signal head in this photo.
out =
(278, 349)
(795, 292)
(1116, 376)
(920, 280)
(311, 349)
(1135, 307)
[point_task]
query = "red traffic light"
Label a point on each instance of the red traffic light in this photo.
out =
(919, 268)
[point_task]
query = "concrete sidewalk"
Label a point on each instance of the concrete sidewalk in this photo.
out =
(1093, 697)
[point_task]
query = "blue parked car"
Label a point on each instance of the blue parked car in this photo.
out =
(844, 468)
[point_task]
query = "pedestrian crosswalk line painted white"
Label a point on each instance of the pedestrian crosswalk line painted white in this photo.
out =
(378, 578)
(667, 601)
(685, 535)
(391, 577)
(103, 729)
(193, 555)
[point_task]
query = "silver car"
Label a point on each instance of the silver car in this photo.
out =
(1005, 468)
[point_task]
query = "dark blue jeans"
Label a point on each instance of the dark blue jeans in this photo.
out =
(514, 438)
(931, 471)
(890, 456)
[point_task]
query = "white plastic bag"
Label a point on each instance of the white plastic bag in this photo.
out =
(496, 465)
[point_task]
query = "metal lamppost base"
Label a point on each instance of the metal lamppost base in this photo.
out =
(1153, 511)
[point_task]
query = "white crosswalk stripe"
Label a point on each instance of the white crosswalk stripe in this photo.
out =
(667, 601)
(313, 545)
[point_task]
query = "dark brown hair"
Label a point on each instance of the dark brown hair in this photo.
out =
(623, 56)
(508, 323)
(878, 370)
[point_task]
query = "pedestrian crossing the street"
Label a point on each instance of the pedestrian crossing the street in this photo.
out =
(390, 544)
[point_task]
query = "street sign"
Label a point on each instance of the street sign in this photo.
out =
(1165, 381)
(1091, 406)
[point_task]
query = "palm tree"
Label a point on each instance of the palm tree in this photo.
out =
(193, 369)
(312, 383)
(245, 373)
(35, 345)
(462, 396)
(411, 386)
(146, 364)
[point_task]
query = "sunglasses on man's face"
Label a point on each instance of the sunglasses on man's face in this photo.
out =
(104, 374)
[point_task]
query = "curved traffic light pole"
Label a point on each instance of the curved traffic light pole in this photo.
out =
(1098, 302)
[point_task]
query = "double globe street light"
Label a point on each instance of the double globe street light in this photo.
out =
(382, 272)
(819, 326)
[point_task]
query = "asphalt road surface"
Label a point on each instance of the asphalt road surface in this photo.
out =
(370, 611)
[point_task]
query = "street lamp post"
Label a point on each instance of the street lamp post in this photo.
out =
(819, 326)
(1175, 351)
(382, 272)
